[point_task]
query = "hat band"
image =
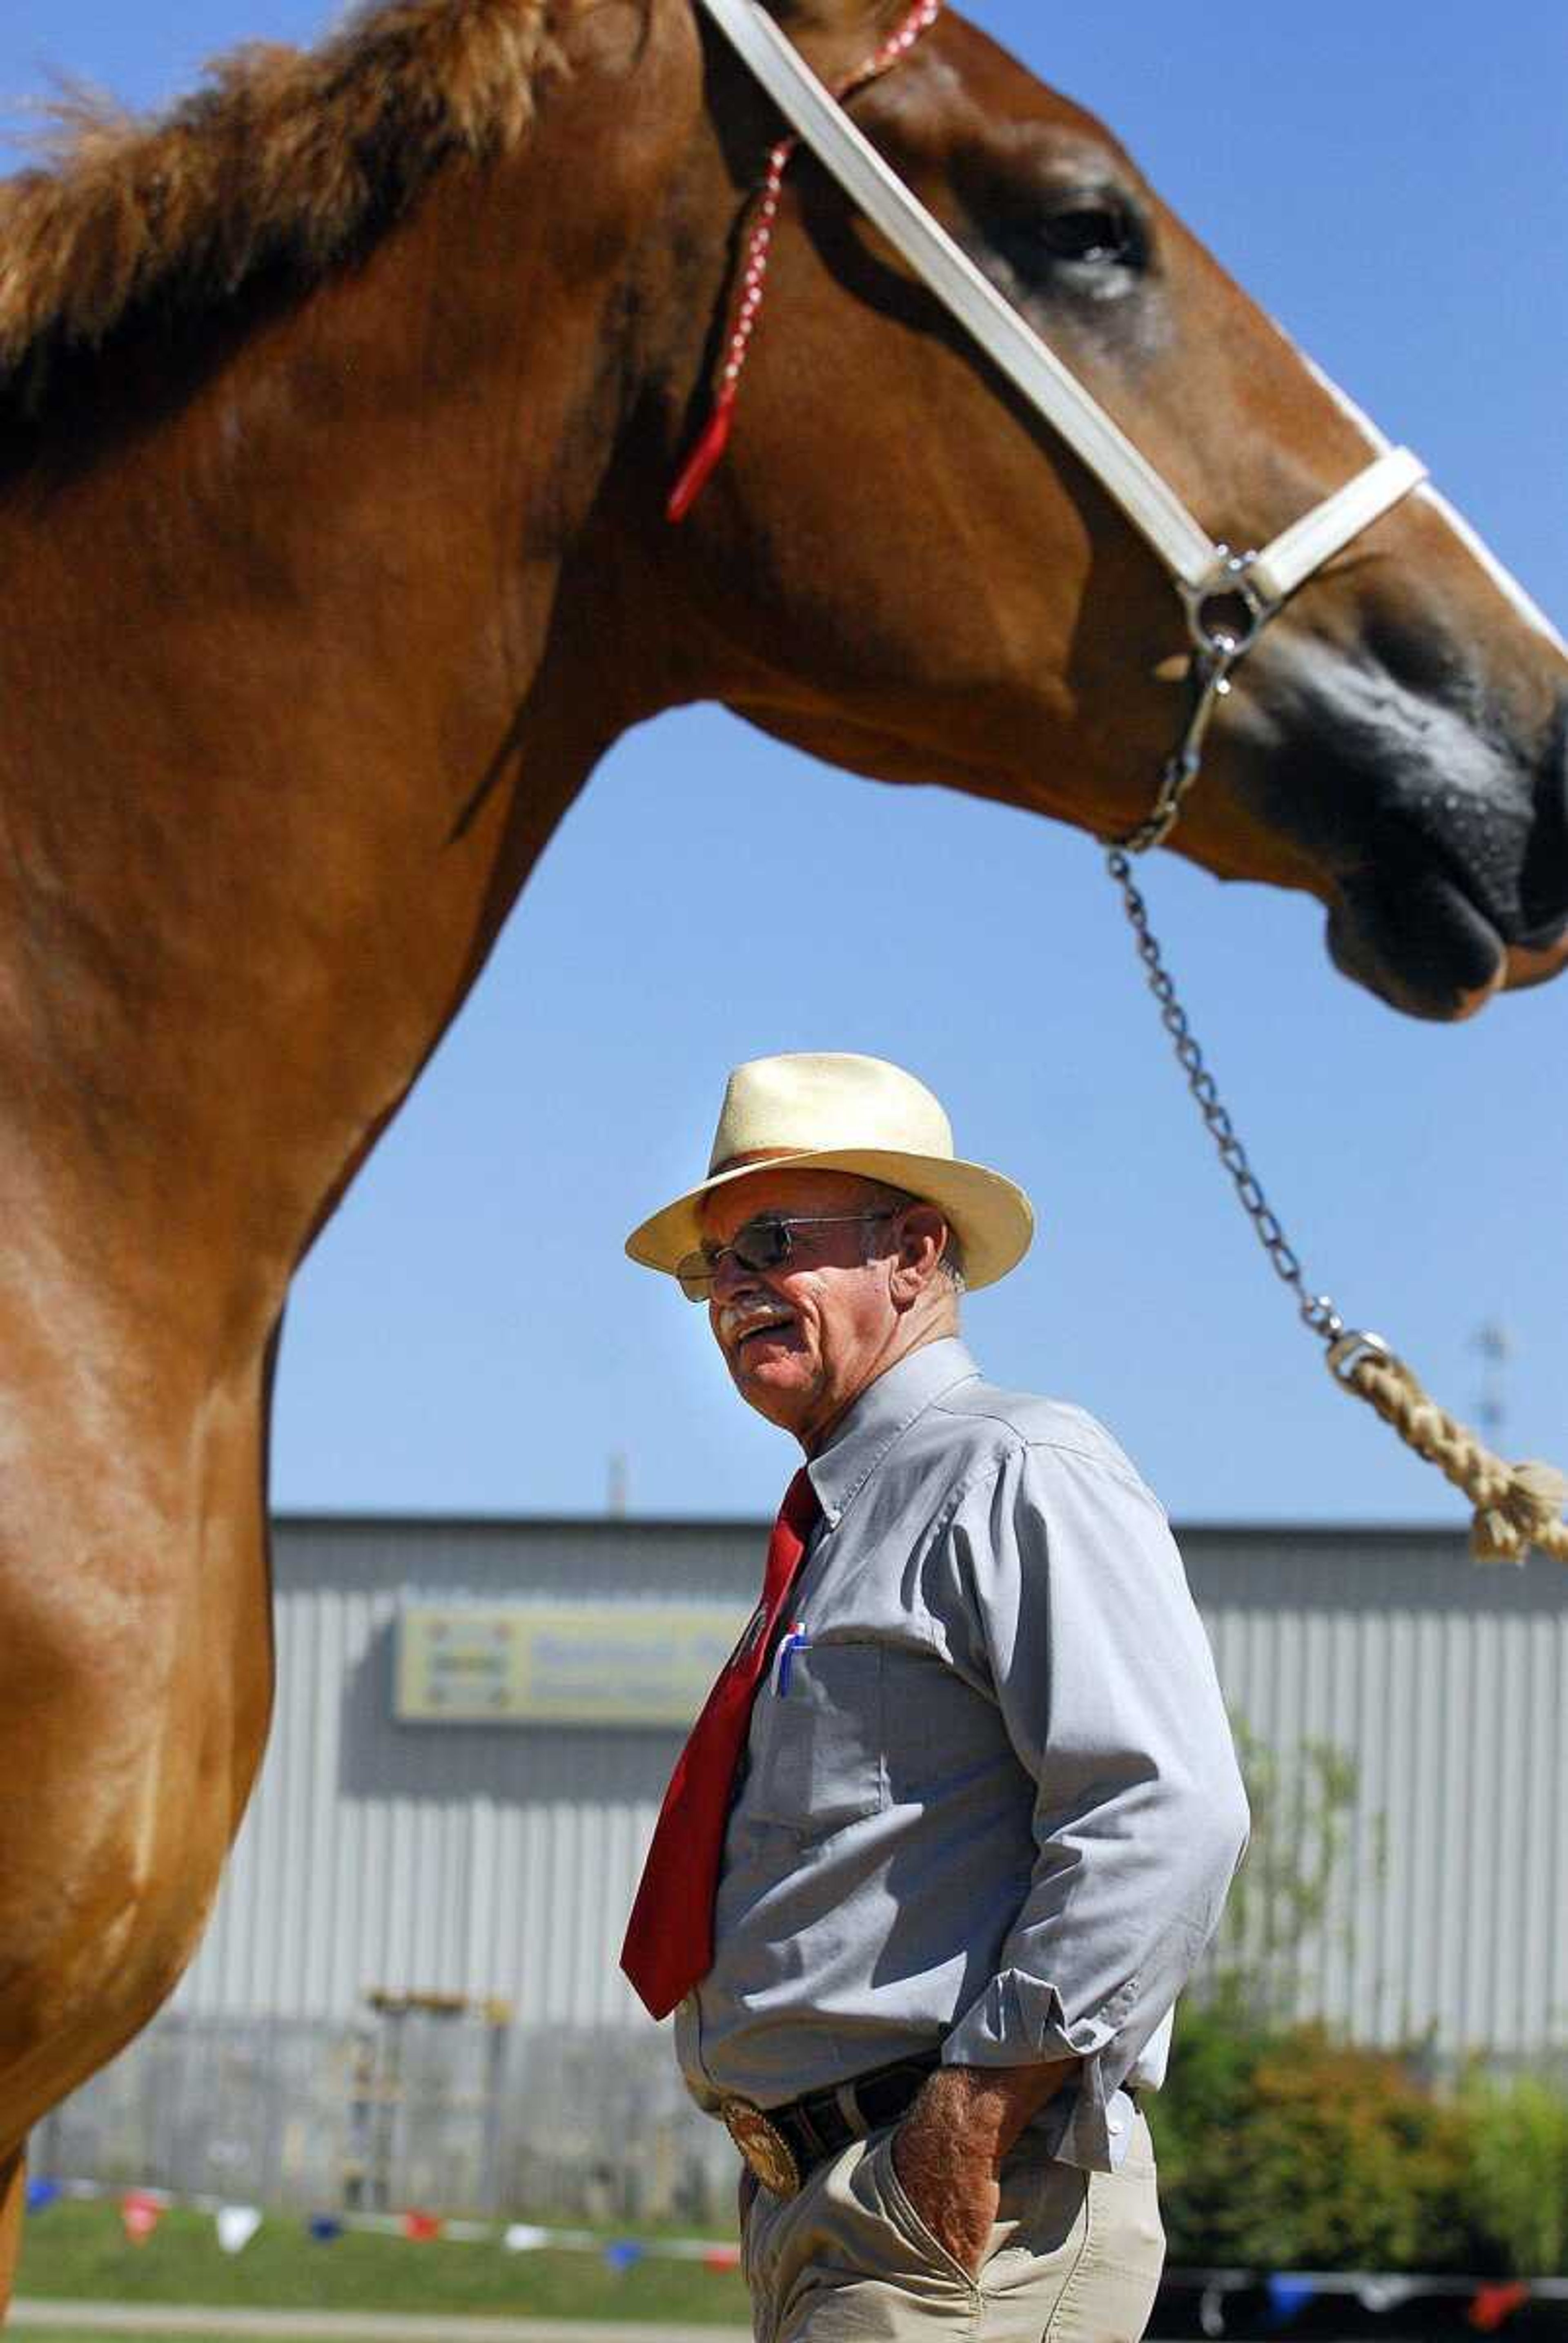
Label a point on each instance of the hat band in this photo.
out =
(756, 1155)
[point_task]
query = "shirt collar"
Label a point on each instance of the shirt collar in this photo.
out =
(879, 1419)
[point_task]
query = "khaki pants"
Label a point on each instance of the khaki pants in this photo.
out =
(1075, 2257)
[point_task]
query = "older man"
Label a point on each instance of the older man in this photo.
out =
(961, 1812)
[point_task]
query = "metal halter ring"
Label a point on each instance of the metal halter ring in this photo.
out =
(1230, 581)
(1220, 644)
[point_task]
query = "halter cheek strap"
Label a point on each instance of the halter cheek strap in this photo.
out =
(1203, 570)
(1188, 551)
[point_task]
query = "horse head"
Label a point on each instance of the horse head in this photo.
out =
(903, 570)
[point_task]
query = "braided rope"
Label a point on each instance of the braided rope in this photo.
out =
(1517, 1506)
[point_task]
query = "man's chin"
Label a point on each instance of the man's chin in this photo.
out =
(778, 1385)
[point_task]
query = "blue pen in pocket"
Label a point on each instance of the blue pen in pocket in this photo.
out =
(797, 1640)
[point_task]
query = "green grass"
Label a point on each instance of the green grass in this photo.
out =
(78, 2252)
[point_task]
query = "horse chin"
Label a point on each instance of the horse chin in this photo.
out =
(1418, 943)
(1530, 964)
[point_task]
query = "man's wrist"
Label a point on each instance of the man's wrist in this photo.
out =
(979, 2111)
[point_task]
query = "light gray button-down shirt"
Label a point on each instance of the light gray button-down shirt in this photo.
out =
(990, 1800)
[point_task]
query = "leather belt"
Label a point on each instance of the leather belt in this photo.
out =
(781, 2145)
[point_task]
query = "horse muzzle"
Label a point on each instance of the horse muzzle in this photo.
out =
(1438, 827)
(1430, 942)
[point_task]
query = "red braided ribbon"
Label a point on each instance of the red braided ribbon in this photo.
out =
(708, 452)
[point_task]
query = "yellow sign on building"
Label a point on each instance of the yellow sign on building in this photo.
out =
(561, 1664)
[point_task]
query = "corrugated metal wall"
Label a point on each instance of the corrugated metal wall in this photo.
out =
(1448, 1685)
(500, 1861)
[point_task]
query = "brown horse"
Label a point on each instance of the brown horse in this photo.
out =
(337, 419)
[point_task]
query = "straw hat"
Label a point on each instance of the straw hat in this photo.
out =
(830, 1112)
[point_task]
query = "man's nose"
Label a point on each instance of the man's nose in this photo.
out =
(732, 1277)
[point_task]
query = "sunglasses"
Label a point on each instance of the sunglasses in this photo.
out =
(765, 1243)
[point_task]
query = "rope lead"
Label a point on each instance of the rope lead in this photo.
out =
(1517, 1506)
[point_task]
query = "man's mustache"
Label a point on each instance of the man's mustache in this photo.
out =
(737, 1319)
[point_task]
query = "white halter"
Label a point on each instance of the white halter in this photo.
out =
(1204, 572)
(1149, 501)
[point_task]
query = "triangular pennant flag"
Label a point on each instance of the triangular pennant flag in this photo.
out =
(1491, 2306)
(1385, 2293)
(325, 2228)
(236, 2225)
(1287, 2295)
(41, 2195)
(522, 2238)
(721, 2258)
(421, 2227)
(140, 2214)
(622, 2252)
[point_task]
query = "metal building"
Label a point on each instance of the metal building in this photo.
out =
(410, 1992)
(498, 1860)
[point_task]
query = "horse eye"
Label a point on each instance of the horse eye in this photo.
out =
(1098, 233)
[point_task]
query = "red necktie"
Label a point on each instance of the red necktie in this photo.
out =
(669, 1937)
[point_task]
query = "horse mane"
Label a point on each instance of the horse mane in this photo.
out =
(285, 159)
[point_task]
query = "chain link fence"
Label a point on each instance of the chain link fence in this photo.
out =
(433, 2106)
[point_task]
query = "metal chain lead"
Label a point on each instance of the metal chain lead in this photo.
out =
(1317, 1310)
(1225, 616)
(1226, 613)
(1517, 1506)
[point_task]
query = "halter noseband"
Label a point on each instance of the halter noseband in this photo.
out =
(1209, 577)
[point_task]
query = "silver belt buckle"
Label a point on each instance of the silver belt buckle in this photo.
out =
(767, 2153)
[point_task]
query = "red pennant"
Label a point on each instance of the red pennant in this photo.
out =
(721, 2258)
(1491, 2306)
(423, 2228)
(140, 2214)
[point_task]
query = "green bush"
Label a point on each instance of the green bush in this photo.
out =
(1518, 2145)
(1282, 2148)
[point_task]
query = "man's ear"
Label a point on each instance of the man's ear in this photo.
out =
(921, 1239)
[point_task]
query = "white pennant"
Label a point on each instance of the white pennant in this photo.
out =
(522, 2238)
(236, 2225)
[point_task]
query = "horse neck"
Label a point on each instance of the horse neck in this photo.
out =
(291, 711)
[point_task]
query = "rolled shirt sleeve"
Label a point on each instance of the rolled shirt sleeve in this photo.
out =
(1103, 1676)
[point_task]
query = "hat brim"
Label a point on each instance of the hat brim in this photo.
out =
(992, 1217)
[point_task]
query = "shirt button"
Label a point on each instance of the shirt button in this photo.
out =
(1114, 2125)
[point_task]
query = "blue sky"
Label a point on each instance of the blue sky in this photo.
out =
(1393, 183)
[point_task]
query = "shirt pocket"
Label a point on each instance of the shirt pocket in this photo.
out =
(942, 1734)
(816, 1748)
